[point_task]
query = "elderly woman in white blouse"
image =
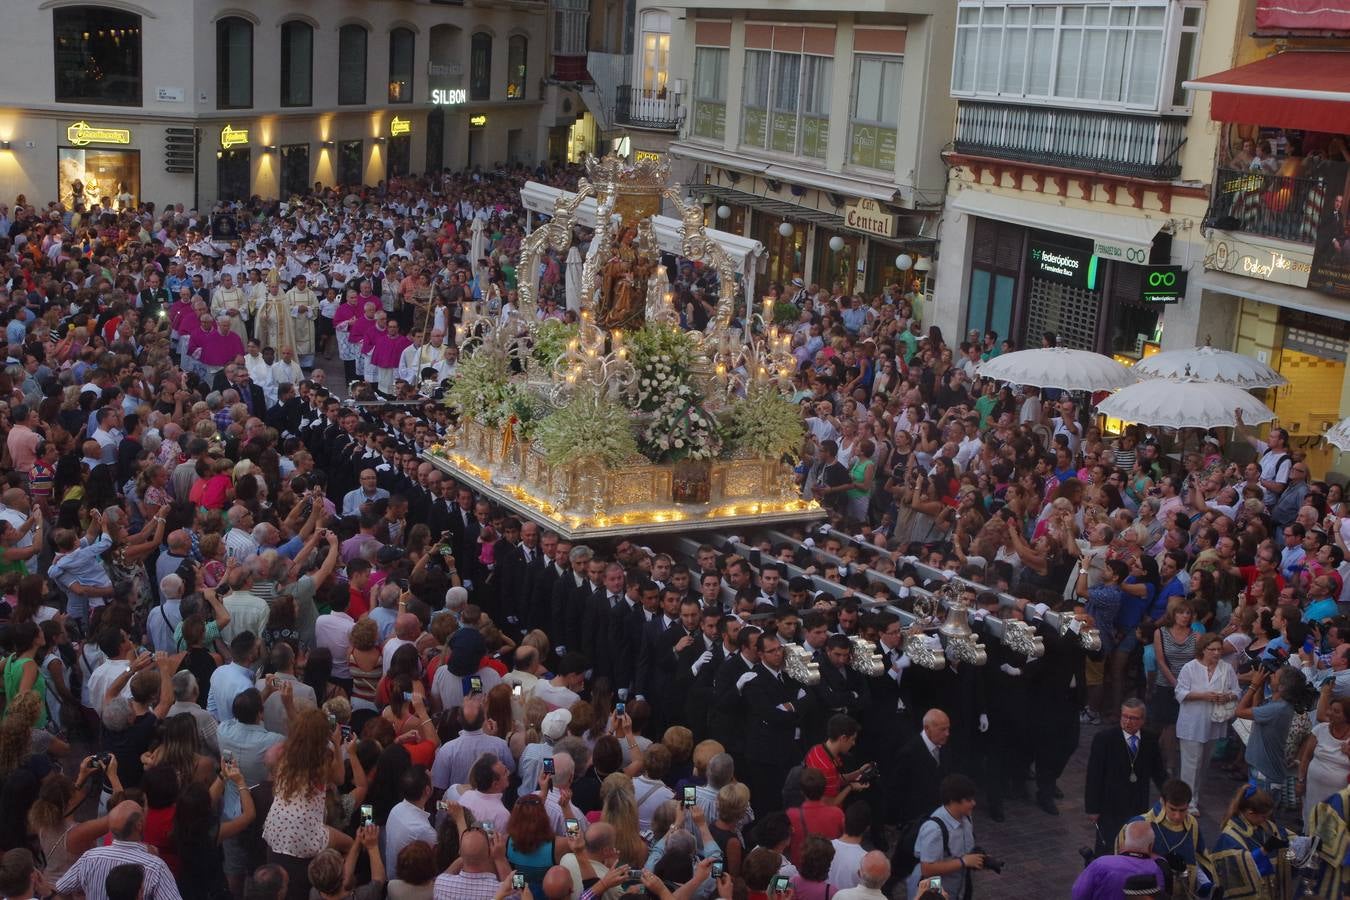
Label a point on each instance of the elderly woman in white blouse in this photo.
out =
(1204, 686)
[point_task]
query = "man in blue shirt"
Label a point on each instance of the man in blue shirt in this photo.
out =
(1270, 725)
(234, 677)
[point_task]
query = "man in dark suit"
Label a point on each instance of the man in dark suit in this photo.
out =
(774, 706)
(595, 620)
(922, 764)
(152, 298)
(546, 573)
(510, 573)
(726, 715)
(570, 591)
(842, 690)
(697, 666)
(641, 603)
(672, 666)
(1121, 764)
(648, 676)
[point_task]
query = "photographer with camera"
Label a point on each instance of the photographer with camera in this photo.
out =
(944, 850)
(1270, 720)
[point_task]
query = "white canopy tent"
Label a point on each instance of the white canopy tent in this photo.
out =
(743, 251)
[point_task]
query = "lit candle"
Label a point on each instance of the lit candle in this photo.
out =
(617, 335)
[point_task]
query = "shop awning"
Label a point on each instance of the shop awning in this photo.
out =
(1304, 89)
(1301, 15)
(768, 205)
(1116, 236)
(806, 176)
(1301, 299)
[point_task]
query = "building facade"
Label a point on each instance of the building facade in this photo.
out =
(192, 101)
(1276, 252)
(809, 127)
(1076, 199)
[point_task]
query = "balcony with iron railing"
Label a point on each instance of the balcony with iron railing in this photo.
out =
(1284, 207)
(636, 107)
(1113, 143)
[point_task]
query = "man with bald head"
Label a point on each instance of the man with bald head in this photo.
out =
(15, 509)
(179, 544)
(593, 856)
(1106, 876)
(89, 873)
(407, 628)
(922, 764)
(874, 872)
(557, 884)
(368, 492)
(484, 868)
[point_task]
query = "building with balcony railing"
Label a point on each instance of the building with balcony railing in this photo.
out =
(1277, 254)
(814, 131)
(1074, 133)
(657, 110)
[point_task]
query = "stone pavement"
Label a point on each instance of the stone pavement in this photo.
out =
(1041, 851)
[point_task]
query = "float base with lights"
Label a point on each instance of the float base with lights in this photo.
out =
(624, 422)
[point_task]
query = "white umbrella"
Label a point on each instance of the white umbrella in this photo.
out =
(1210, 364)
(572, 278)
(1184, 403)
(1058, 367)
(1338, 435)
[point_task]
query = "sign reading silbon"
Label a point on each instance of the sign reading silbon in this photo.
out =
(868, 217)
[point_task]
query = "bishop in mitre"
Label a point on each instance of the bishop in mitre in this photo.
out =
(233, 302)
(273, 322)
(303, 304)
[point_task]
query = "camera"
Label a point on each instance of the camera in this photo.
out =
(869, 774)
(991, 863)
(619, 708)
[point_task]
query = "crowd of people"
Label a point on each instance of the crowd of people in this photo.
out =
(255, 645)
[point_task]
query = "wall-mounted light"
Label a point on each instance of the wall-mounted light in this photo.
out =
(379, 139)
(6, 145)
(270, 148)
(328, 144)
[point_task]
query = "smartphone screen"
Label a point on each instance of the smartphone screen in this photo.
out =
(935, 883)
(516, 691)
(475, 684)
(718, 869)
(780, 884)
(690, 796)
(367, 813)
(573, 827)
(517, 881)
(620, 708)
(548, 765)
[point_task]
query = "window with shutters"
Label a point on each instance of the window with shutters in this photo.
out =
(995, 260)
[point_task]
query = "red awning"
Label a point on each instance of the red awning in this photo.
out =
(1307, 90)
(1303, 15)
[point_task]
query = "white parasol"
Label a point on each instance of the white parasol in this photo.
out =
(572, 278)
(1184, 403)
(1058, 367)
(1209, 364)
(1338, 435)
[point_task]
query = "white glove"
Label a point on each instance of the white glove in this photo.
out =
(824, 529)
(1076, 626)
(1041, 609)
(743, 680)
(1007, 669)
(701, 662)
(909, 559)
(984, 723)
(801, 693)
(934, 641)
(979, 615)
(809, 544)
(902, 662)
(948, 574)
(734, 539)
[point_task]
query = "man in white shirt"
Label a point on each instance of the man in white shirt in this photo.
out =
(488, 780)
(872, 874)
(119, 653)
(232, 678)
(561, 692)
(848, 849)
(239, 543)
(334, 632)
(248, 611)
(408, 819)
(163, 619)
(276, 713)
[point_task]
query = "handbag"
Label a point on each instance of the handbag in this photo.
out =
(1223, 713)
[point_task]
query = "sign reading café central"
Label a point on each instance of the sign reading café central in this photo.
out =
(82, 134)
(867, 216)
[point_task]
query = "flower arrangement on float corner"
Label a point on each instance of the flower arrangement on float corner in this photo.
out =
(589, 426)
(551, 340)
(764, 423)
(482, 389)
